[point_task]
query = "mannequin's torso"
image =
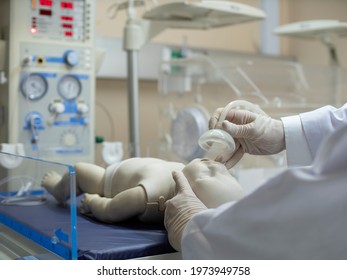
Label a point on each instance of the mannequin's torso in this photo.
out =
(151, 173)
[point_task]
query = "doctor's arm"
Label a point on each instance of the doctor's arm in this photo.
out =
(180, 209)
(292, 216)
(300, 135)
(309, 129)
(253, 133)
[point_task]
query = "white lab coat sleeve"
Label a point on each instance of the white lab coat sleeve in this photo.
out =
(298, 214)
(305, 132)
(298, 152)
(322, 122)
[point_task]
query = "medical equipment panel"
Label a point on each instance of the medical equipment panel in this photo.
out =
(48, 99)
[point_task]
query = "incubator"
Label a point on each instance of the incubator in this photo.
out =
(33, 225)
(191, 88)
(30, 225)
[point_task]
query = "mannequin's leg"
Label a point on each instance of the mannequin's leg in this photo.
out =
(89, 177)
(125, 205)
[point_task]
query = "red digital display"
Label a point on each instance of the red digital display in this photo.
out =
(66, 18)
(67, 5)
(47, 3)
(45, 12)
(66, 25)
(68, 34)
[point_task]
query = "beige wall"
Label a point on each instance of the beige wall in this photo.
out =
(111, 96)
(112, 113)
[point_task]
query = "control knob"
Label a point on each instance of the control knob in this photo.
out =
(71, 58)
(57, 107)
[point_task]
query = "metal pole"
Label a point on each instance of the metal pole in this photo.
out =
(133, 103)
(334, 70)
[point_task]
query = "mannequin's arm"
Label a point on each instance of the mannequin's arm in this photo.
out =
(125, 205)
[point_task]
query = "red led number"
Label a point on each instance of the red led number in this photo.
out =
(66, 18)
(67, 5)
(45, 12)
(47, 3)
(65, 25)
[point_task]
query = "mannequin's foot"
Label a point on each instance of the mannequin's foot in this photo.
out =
(55, 185)
(84, 207)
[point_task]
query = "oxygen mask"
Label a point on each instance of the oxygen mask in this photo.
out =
(216, 141)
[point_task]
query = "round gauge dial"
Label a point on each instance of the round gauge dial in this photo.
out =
(189, 124)
(34, 86)
(69, 87)
(69, 138)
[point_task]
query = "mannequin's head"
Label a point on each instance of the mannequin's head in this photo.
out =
(212, 182)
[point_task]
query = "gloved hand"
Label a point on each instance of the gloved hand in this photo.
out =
(180, 209)
(253, 133)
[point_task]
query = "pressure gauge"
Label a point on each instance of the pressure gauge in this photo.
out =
(34, 86)
(69, 87)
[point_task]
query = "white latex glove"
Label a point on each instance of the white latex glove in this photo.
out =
(180, 209)
(253, 133)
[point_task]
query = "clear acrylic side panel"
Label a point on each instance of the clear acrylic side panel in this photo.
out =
(27, 208)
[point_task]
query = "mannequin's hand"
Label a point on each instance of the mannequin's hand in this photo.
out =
(253, 133)
(180, 209)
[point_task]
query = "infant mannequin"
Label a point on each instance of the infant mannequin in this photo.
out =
(139, 187)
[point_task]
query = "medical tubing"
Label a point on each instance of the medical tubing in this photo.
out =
(238, 104)
(8, 179)
(20, 198)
